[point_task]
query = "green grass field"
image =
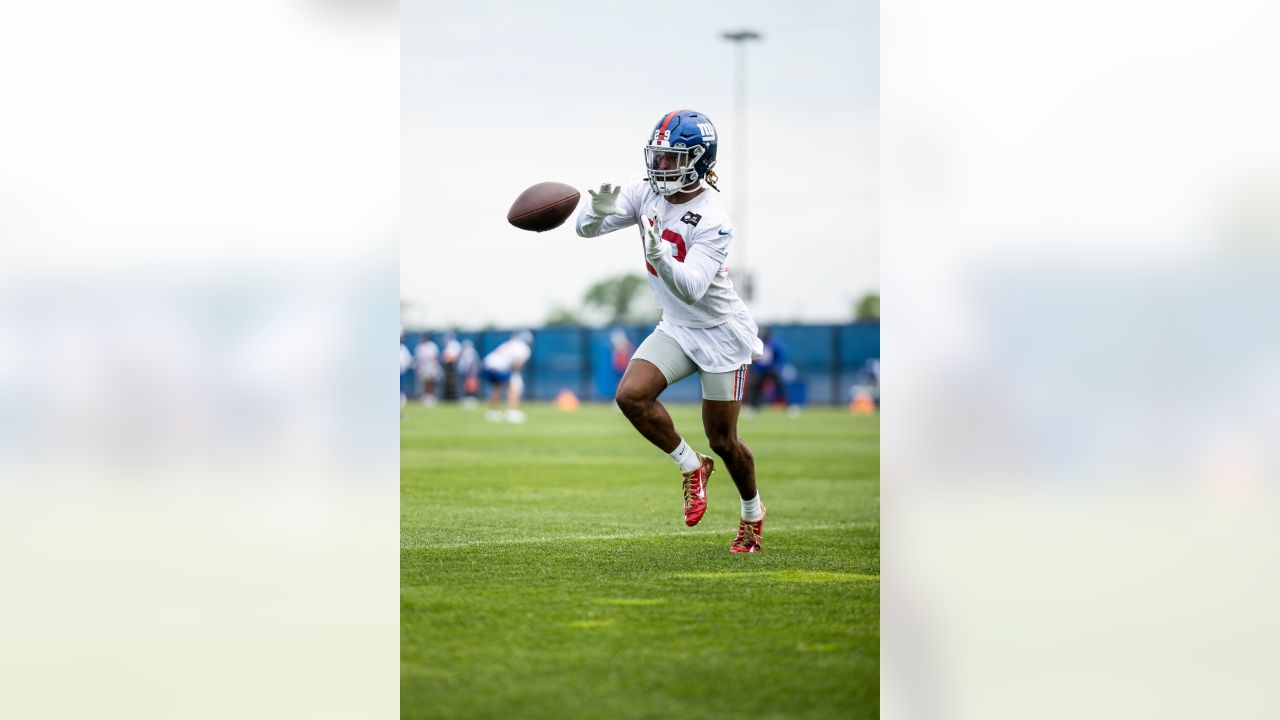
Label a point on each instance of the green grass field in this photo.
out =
(546, 571)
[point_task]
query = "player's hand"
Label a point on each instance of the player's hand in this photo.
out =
(654, 246)
(605, 202)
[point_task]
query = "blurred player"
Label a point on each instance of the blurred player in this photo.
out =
(770, 366)
(405, 361)
(620, 348)
(502, 370)
(426, 359)
(469, 371)
(870, 376)
(450, 351)
(705, 326)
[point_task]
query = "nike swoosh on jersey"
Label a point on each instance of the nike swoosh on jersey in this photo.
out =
(725, 232)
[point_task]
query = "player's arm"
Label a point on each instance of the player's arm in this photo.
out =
(686, 280)
(608, 210)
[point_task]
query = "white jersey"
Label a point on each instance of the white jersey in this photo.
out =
(698, 230)
(715, 328)
(427, 359)
(505, 356)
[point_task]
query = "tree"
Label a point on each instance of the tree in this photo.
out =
(867, 308)
(620, 299)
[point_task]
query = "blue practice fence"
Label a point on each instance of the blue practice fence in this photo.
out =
(828, 359)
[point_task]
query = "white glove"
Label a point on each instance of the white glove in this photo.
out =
(605, 203)
(654, 247)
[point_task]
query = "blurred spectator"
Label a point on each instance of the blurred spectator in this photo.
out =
(427, 365)
(469, 371)
(502, 370)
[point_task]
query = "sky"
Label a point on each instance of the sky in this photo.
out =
(497, 96)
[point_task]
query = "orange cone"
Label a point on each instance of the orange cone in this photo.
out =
(862, 404)
(566, 401)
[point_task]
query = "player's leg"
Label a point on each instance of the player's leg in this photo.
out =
(637, 396)
(779, 386)
(496, 384)
(721, 403)
(793, 410)
(430, 375)
(514, 388)
(659, 362)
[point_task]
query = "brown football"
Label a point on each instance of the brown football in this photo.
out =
(543, 207)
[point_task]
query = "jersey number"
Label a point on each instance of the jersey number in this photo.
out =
(674, 238)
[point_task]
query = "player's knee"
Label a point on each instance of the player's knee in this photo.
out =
(631, 400)
(722, 443)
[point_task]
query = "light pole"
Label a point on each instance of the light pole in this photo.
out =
(740, 38)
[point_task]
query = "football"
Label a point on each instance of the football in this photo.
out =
(543, 207)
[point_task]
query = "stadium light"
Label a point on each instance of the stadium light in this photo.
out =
(740, 38)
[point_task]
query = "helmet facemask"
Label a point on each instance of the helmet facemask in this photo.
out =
(672, 169)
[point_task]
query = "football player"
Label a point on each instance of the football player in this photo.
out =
(427, 365)
(705, 326)
(469, 371)
(502, 369)
(450, 351)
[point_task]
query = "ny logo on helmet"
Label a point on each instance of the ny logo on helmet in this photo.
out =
(708, 132)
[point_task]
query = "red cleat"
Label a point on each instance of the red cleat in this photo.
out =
(695, 490)
(749, 534)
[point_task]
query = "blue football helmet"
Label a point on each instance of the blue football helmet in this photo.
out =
(681, 151)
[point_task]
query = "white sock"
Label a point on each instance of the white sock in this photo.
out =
(685, 457)
(751, 509)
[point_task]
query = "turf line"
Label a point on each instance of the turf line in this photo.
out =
(624, 536)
